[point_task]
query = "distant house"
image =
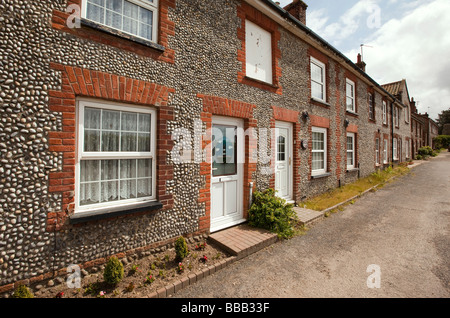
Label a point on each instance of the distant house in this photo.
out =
(401, 120)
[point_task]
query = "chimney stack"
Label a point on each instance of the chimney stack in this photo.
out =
(413, 106)
(361, 64)
(298, 10)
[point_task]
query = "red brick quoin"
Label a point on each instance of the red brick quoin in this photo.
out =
(213, 105)
(77, 82)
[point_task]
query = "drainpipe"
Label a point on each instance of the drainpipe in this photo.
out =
(250, 200)
(392, 131)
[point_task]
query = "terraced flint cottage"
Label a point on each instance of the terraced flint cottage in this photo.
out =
(148, 119)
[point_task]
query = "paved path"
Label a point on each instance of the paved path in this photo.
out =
(402, 228)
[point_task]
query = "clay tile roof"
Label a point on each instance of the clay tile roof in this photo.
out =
(394, 88)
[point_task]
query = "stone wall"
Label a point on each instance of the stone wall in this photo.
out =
(47, 66)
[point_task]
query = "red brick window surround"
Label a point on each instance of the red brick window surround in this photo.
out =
(157, 49)
(318, 62)
(246, 12)
(106, 88)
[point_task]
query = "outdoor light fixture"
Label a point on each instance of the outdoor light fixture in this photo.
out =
(346, 123)
(305, 115)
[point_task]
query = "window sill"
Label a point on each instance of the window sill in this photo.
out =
(320, 176)
(352, 170)
(351, 113)
(106, 29)
(251, 79)
(320, 102)
(114, 211)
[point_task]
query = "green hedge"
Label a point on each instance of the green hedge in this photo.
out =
(442, 141)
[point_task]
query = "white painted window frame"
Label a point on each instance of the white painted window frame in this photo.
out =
(353, 98)
(352, 151)
(324, 81)
(384, 112)
(395, 148)
(82, 155)
(262, 56)
(146, 4)
(323, 131)
(385, 152)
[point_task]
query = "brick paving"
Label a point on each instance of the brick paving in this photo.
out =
(243, 240)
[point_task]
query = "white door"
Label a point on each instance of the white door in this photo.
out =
(283, 160)
(227, 173)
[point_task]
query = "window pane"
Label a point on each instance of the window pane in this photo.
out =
(114, 5)
(281, 148)
(318, 162)
(145, 122)
(110, 169)
(95, 13)
(113, 20)
(317, 90)
(128, 189)
(92, 118)
(318, 141)
(131, 10)
(92, 140)
(144, 168)
(128, 169)
(316, 73)
(224, 150)
(110, 120)
(144, 142)
(109, 191)
(349, 143)
(110, 141)
(144, 188)
(128, 142)
(89, 193)
(349, 158)
(90, 170)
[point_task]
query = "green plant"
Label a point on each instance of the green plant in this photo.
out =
(134, 269)
(272, 213)
(149, 279)
(180, 268)
(426, 151)
(23, 291)
(113, 272)
(130, 288)
(181, 249)
(442, 141)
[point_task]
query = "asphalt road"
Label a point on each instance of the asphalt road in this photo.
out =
(393, 243)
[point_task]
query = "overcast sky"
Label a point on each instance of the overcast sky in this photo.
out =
(404, 39)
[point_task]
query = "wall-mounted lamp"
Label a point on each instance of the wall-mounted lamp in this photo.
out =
(305, 115)
(346, 123)
(304, 144)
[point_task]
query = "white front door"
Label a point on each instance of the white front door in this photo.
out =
(227, 173)
(283, 160)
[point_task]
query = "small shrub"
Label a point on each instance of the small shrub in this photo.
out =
(426, 152)
(181, 249)
(23, 292)
(419, 157)
(113, 273)
(272, 213)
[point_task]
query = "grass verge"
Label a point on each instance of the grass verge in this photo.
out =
(346, 192)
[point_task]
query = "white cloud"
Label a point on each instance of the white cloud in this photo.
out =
(415, 47)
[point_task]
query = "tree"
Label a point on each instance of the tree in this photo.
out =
(444, 118)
